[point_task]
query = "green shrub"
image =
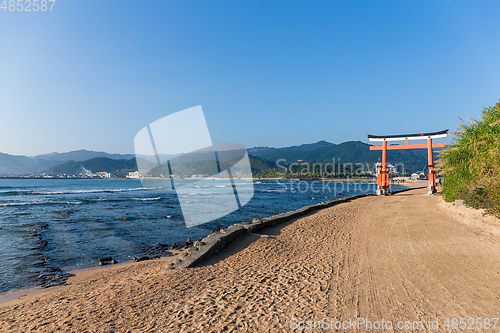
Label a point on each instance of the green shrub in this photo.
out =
(471, 164)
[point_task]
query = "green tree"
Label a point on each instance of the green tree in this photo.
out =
(471, 164)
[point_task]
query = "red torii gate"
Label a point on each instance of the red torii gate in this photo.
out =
(383, 173)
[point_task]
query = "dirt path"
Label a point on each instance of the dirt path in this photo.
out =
(396, 258)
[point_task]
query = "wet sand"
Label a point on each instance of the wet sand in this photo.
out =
(406, 257)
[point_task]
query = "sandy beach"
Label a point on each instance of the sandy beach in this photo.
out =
(409, 257)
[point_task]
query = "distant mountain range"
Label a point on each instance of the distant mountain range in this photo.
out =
(261, 158)
(81, 155)
(346, 152)
(13, 164)
(22, 165)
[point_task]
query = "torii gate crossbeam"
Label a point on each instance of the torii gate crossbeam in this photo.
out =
(382, 172)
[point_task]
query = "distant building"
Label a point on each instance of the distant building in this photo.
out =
(391, 168)
(103, 175)
(417, 176)
(133, 175)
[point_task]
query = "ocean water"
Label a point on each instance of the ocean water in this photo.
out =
(48, 226)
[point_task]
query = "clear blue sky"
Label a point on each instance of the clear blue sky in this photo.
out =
(91, 74)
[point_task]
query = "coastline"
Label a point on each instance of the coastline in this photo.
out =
(17, 296)
(75, 214)
(216, 242)
(254, 282)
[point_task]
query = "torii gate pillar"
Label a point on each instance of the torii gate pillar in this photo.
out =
(383, 173)
(432, 172)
